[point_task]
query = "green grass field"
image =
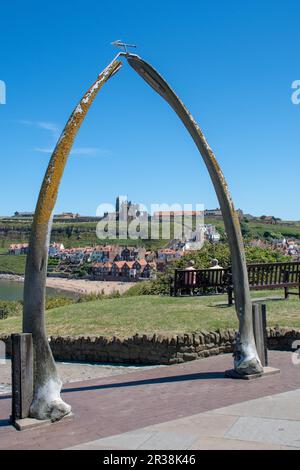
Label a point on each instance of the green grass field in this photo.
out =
(126, 316)
(12, 264)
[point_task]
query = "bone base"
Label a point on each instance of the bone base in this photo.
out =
(29, 423)
(47, 403)
(232, 374)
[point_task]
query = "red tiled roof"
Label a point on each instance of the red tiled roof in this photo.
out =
(120, 264)
(107, 264)
(142, 262)
(130, 264)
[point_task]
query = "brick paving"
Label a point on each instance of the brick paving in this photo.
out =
(74, 372)
(114, 405)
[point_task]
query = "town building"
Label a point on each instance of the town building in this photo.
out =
(55, 249)
(268, 219)
(104, 253)
(213, 213)
(23, 214)
(126, 211)
(66, 216)
(211, 234)
(166, 215)
(18, 249)
(123, 270)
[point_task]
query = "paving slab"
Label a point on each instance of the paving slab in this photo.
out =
(164, 440)
(218, 443)
(131, 440)
(266, 431)
(280, 406)
(199, 425)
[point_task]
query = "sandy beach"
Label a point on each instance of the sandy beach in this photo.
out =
(78, 286)
(83, 286)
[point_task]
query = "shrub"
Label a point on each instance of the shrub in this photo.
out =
(53, 262)
(158, 286)
(255, 254)
(80, 273)
(91, 297)
(10, 308)
(54, 302)
(98, 296)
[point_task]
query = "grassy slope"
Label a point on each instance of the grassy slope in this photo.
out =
(71, 234)
(153, 314)
(12, 264)
(288, 229)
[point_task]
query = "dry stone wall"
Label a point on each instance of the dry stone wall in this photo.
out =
(156, 349)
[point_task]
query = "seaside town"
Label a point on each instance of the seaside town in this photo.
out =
(115, 262)
(119, 262)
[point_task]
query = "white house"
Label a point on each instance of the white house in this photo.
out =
(211, 233)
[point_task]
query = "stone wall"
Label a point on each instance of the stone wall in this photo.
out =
(156, 349)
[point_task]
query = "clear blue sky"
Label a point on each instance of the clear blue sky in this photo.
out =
(231, 62)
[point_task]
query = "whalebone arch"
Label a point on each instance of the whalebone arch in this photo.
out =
(47, 402)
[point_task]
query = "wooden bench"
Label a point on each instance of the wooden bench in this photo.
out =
(187, 282)
(265, 276)
(262, 276)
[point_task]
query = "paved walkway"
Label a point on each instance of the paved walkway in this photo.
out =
(73, 372)
(271, 422)
(182, 406)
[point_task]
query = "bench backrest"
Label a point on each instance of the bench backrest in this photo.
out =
(274, 274)
(260, 275)
(200, 278)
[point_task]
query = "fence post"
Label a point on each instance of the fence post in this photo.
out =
(260, 333)
(22, 375)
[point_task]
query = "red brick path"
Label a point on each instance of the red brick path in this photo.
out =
(123, 403)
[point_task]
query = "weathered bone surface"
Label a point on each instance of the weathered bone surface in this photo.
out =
(246, 358)
(47, 402)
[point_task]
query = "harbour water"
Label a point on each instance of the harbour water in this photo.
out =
(12, 290)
